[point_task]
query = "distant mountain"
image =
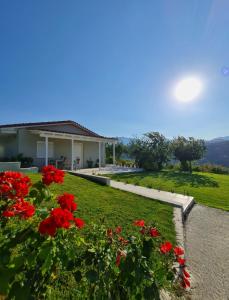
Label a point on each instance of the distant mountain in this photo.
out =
(219, 139)
(217, 152)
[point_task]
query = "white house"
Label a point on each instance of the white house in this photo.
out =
(65, 144)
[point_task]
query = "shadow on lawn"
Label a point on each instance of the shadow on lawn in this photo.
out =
(178, 178)
(194, 180)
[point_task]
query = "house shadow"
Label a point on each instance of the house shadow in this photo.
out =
(194, 180)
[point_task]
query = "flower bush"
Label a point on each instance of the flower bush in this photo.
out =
(49, 253)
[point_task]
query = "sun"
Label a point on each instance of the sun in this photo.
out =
(188, 89)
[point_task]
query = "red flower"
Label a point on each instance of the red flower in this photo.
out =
(22, 208)
(166, 247)
(51, 174)
(8, 213)
(185, 283)
(120, 254)
(178, 251)
(181, 261)
(142, 231)
(62, 217)
(14, 185)
(139, 223)
(79, 222)
(118, 229)
(48, 226)
(66, 201)
(109, 232)
(154, 232)
(186, 274)
(118, 260)
(122, 240)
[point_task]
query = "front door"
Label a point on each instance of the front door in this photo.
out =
(78, 154)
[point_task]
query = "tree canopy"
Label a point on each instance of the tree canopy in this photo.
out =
(187, 150)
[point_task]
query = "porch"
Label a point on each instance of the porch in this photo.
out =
(70, 152)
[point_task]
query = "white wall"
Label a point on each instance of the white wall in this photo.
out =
(8, 146)
(26, 143)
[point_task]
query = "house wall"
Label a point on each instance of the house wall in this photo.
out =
(27, 144)
(8, 146)
(91, 152)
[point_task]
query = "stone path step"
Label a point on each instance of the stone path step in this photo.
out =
(178, 200)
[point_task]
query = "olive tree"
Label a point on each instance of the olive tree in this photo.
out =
(187, 150)
(151, 151)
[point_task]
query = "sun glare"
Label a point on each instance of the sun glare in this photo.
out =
(188, 89)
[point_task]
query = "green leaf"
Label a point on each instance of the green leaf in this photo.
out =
(6, 276)
(78, 276)
(151, 292)
(92, 276)
(19, 292)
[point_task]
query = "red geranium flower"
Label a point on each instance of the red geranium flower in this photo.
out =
(14, 184)
(22, 208)
(181, 261)
(166, 247)
(186, 274)
(178, 251)
(51, 174)
(120, 254)
(142, 231)
(139, 223)
(48, 226)
(122, 240)
(66, 201)
(62, 217)
(79, 222)
(8, 213)
(118, 229)
(185, 283)
(154, 232)
(109, 232)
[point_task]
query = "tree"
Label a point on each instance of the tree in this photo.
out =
(150, 152)
(120, 149)
(187, 150)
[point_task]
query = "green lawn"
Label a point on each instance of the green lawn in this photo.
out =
(207, 188)
(97, 203)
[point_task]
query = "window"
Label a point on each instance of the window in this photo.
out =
(41, 149)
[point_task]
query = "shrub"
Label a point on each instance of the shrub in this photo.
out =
(211, 169)
(51, 254)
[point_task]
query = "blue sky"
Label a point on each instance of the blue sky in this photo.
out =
(112, 65)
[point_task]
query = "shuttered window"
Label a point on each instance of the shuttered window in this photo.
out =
(41, 149)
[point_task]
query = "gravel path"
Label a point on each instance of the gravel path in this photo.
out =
(207, 253)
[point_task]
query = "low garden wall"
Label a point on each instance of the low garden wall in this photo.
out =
(16, 166)
(95, 178)
(10, 166)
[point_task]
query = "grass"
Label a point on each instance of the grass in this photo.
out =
(207, 188)
(97, 203)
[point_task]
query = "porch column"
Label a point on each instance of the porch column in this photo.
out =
(46, 150)
(99, 155)
(113, 153)
(72, 158)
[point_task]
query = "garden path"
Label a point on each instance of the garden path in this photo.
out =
(181, 201)
(207, 252)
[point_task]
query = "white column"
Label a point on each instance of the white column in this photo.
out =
(99, 155)
(46, 150)
(72, 158)
(113, 153)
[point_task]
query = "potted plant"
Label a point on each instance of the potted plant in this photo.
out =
(90, 163)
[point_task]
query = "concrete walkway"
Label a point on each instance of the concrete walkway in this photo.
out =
(207, 252)
(178, 200)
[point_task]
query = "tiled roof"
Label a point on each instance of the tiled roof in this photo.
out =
(86, 131)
